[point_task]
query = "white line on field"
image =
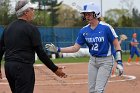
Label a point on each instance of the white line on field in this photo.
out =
(127, 78)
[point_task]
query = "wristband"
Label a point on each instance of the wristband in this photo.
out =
(118, 55)
(120, 63)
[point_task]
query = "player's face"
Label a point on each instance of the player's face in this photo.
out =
(89, 16)
(134, 35)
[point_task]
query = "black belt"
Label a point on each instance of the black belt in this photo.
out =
(98, 56)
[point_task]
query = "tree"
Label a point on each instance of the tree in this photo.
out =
(67, 16)
(5, 15)
(128, 5)
(113, 15)
(41, 18)
(125, 21)
(111, 21)
(53, 9)
(50, 7)
(121, 17)
(136, 17)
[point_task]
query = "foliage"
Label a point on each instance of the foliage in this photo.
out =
(115, 17)
(51, 7)
(41, 18)
(111, 21)
(68, 17)
(136, 17)
(52, 13)
(122, 18)
(54, 8)
(80, 22)
(127, 16)
(125, 21)
(5, 15)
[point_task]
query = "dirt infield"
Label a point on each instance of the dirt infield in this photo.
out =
(76, 82)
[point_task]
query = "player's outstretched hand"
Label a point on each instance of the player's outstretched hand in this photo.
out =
(119, 67)
(60, 72)
(51, 47)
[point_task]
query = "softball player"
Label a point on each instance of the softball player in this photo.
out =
(19, 42)
(134, 49)
(100, 38)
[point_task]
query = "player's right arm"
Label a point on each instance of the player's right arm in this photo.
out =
(70, 49)
(134, 43)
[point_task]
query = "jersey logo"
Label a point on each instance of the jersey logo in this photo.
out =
(85, 7)
(85, 34)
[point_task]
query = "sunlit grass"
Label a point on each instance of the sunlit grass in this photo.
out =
(80, 59)
(125, 57)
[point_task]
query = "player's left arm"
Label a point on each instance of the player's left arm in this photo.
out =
(118, 56)
(114, 38)
(116, 44)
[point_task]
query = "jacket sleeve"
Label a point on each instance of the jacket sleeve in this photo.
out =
(2, 47)
(45, 59)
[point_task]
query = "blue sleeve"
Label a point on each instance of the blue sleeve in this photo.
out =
(80, 39)
(132, 40)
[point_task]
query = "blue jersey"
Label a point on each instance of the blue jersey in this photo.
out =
(135, 41)
(99, 40)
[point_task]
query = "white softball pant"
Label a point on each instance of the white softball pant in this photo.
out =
(99, 71)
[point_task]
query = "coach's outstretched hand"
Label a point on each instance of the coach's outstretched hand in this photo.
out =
(51, 47)
(60, 73)
(0, 75)
(119, 67)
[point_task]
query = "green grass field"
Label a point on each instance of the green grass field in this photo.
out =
(82, 59)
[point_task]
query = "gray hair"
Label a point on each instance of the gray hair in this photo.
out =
(19, 5)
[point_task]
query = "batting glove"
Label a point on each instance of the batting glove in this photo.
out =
(119, 67)
(52, 48)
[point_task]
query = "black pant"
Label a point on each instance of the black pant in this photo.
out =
(21, 77)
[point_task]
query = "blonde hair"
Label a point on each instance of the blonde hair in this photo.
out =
(100, 19)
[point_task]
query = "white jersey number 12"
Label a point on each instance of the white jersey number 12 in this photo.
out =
(95, 47)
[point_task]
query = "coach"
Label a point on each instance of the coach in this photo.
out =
(19, 42)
